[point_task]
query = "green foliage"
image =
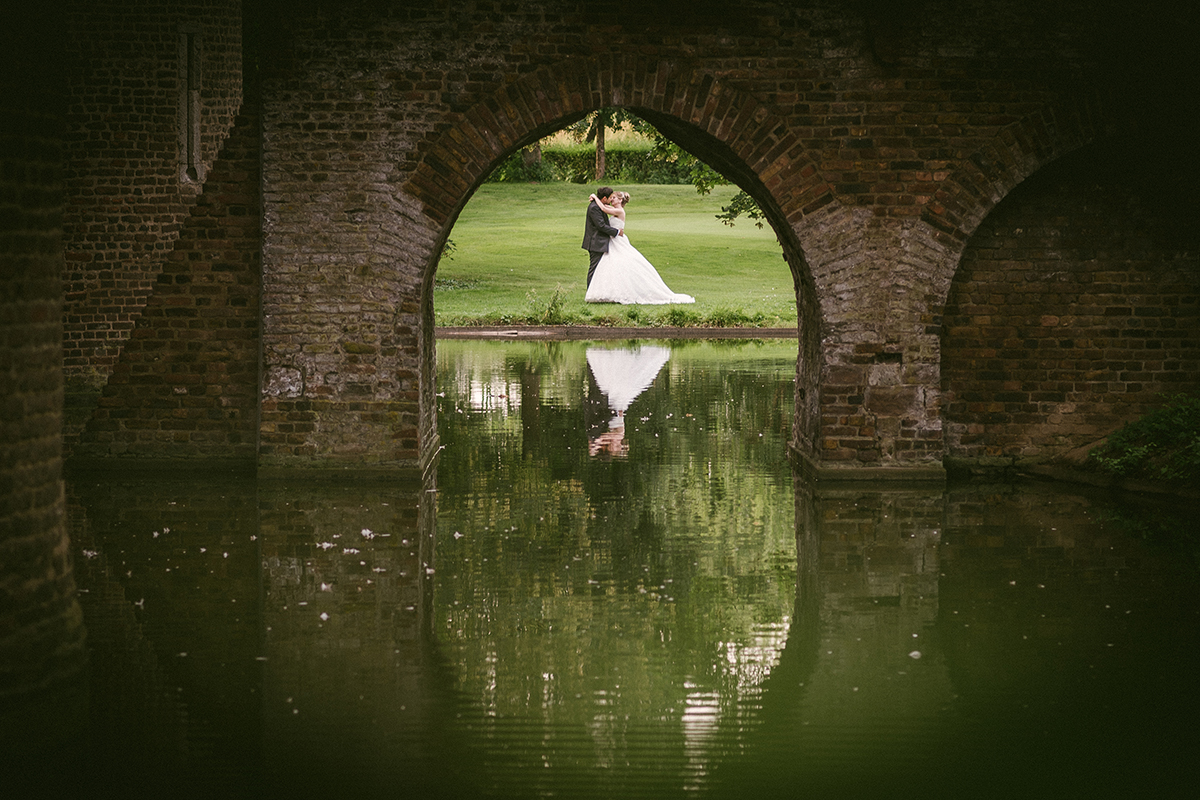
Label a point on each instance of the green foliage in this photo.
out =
(1163, 445)
(514, 169)
(588, 128)
(552, 313)
(733, 318)
(703, 177)
(681, 317)
(650, 159)
(693, 170)
(742, 203)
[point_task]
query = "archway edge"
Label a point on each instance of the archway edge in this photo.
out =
(982, 179)
(459, 158)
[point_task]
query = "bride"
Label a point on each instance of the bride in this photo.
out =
(623, 274)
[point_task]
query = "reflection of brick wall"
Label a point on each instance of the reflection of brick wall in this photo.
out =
(878, 549)
(1076, 305)
(171, 575)
(128, 193)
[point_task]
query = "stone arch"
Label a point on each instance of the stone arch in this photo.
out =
(986, 176)
(749, 141)
(737, 134)
(1071, 312)
(882, 281)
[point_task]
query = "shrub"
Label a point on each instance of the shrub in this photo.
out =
(552, 313)
(514, 170)
(1163, 445)
(680, 317)
(732, 318)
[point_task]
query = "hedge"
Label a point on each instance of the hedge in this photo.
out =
(578, 165)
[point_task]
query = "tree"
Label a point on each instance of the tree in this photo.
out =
(592, 127)
(703, 177)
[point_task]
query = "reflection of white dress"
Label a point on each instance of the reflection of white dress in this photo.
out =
(624, 374)
(625, 276)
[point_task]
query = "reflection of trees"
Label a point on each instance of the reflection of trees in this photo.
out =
(605, 596)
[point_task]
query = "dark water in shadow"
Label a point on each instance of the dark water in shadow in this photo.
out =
(615, 587)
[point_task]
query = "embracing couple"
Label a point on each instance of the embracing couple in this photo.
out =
(617, 272)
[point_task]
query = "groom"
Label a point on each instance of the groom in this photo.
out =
(597, 233)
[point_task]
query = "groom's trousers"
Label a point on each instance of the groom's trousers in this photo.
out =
(595, 255)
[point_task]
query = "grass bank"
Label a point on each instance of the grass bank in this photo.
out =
(517, 260)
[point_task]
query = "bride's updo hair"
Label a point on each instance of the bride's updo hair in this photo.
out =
(624, 198)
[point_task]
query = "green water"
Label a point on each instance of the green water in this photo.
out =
(585, 604)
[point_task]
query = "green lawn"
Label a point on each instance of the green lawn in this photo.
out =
(517, 259)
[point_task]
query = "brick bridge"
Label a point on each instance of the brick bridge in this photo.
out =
(222, 219)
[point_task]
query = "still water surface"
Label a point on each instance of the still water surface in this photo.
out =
(616, 587)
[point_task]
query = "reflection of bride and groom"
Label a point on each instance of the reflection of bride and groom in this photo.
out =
(617, 272)
(620, 375)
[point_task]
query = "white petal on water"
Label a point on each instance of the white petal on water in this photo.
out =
(915, 654)
(324, 616)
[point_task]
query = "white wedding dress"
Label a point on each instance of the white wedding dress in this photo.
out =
(625, 276)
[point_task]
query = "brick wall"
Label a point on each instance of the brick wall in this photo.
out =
(1075, 308)
(186, 383)
(874, 146)
(128, 187)
(876, 141)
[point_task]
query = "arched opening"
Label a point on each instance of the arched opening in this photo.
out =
(1072, 311)
(734, 134)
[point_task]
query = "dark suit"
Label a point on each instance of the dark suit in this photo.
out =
(597, 233)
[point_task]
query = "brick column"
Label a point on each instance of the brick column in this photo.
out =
(879, 410)
(41, 626)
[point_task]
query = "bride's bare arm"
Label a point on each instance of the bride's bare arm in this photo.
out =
(606, 208)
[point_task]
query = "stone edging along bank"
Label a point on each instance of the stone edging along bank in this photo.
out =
(596, 332)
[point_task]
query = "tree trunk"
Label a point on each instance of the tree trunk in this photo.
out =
(600, 161)
(532, 155)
